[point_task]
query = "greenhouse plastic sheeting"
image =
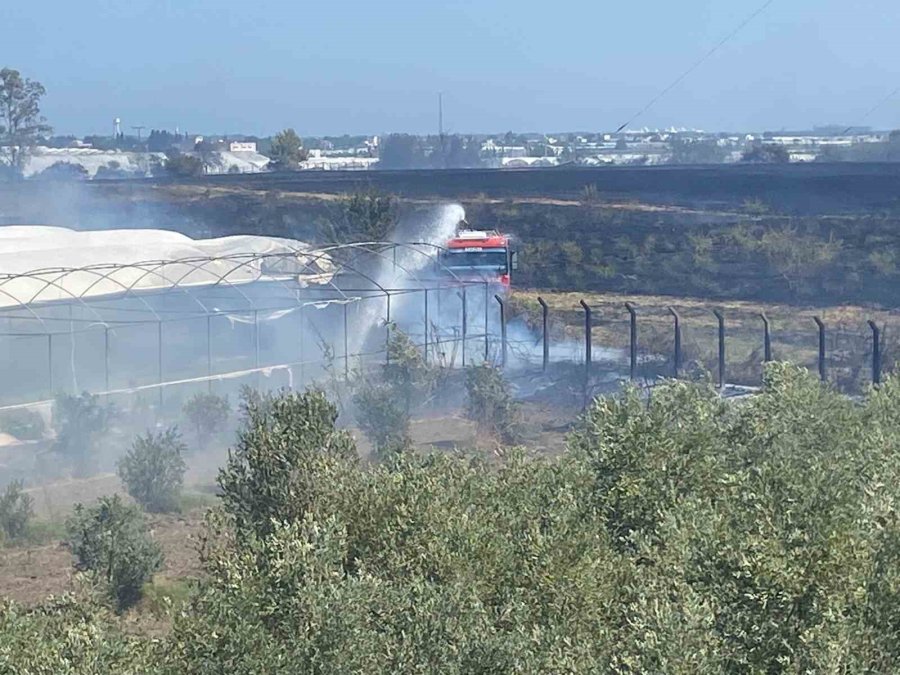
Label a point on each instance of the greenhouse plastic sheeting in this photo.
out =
(43, 263)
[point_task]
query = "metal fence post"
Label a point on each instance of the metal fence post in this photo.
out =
(677, 318)
(486, 301)
(876, 353)
(721, 319)
(106, 359)
(159, 364)
(387, 326)
(632, 340)
(767, 339)
(72, 350)
(50, 362)
(502, 330)
(209, 353)
(465, 324)
(426, 326)
(588, 343)
(545, 310)
(256, 347)
(346, 347)
(823, 374)
(301, 351)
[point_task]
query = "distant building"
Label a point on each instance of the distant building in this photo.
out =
(242, 146)
(490, 147)
(322, 162)
(803, 156)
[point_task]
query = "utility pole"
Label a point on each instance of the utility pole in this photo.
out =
(139, 129)
(441, 128)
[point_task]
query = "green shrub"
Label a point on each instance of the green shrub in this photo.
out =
(207, 414)
(433, 565)
(79, 422)
(363, 215)
(286, 453)
(384, 423)
(680, 534)
(490, 404)
(768, 519)
(69, 636)
(406, 373)
(153, 470)
(183, 166)
(24, 424)
(111, 542)
(15, 512)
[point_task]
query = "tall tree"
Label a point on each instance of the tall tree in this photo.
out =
(21, 124)
(365, 215)
(401, 151)
(287, 150)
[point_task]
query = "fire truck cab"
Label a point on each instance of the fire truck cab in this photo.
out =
(480, 255)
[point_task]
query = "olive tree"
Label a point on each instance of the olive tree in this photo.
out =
(153, 470)
(16, 510)
(207, 414)
(111, 542)
(286, 453)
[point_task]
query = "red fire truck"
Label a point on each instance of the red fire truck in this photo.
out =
(479, 255)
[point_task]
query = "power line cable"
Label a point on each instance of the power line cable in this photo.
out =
(874, 109)
(699, 63)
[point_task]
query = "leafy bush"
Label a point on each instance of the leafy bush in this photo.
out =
(69, 635)
(379, 417)
(769, 517)
(406, 372)
(489, 402)
(363, 215)
(79, 422)
(24, 424)
(407, 381)
(183, 166)
(111, 542)
(153, 470)
(430, 565)
(207, 414)
(288, 447)
(15, 512)
(680, 534)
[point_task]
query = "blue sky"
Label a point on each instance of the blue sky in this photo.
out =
(362, 66)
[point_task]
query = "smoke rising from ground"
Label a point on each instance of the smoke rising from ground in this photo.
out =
(275, 345)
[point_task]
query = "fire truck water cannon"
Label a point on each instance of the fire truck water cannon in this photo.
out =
(480, 255)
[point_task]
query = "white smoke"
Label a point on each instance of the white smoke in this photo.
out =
(409, 266)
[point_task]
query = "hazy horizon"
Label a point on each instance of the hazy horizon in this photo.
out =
(360, 68)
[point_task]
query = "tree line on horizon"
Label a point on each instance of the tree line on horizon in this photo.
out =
(22, 127)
